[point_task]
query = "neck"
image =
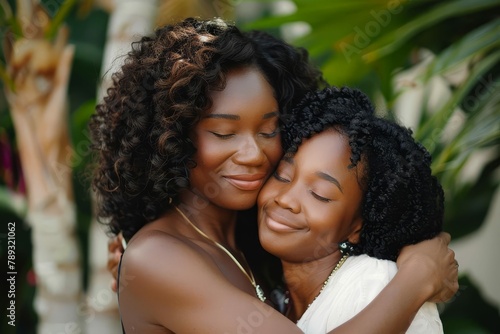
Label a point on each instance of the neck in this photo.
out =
(216, 222)
(305, 280)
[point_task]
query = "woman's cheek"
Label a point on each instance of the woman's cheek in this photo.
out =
(267, 191)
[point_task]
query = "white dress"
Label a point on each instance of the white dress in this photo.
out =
(359, 280)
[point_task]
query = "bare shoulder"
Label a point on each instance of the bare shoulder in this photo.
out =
(158, 261)
(167, 284)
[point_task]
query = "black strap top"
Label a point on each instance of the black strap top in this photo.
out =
(118, 289)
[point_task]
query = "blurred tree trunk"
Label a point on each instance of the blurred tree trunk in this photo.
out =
(39, 70)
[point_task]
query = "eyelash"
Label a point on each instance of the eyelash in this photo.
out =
(318, 197)
(279, 178)
(265, 135)
(221, 136)
(270, 135)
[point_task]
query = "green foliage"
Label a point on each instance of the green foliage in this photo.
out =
(367, 44)
(470, 313)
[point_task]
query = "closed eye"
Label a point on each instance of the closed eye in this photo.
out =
(222, 136)
(320, 198)
(279, 178)
(270, 135)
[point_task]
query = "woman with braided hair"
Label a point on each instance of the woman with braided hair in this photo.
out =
(350, 192)
(186, 138)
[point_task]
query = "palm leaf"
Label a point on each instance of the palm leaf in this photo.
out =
(393, 40)
(479, 41)
(441, 117)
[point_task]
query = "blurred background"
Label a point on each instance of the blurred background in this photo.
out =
(432, 65)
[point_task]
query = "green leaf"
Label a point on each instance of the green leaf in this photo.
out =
(315, 12)
(4, 76)
(5, 13)
(439, 119)
(481, 129)
(81, 135)
(476, 42)
(390, 42)
(470, 312)
(59, 18)
(14, 204)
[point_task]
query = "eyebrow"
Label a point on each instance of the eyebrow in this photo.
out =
(270, 115)
(237, 117)
(288, 158)
(331, 179)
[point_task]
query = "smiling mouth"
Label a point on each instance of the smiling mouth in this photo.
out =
(278, 226)
(246, 182)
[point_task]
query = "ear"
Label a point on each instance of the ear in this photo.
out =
(357, 224)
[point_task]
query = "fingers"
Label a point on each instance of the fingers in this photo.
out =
(113, 262)
(114, 285)
(118, 242)
(115, 250)
(122, 241)
(446, 237)
(451, 285)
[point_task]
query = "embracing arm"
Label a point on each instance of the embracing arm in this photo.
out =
(188, 293)
(170, 285)
(427, 272)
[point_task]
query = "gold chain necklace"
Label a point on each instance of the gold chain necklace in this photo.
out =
(258, 290)
(339, 264)
(288, 302)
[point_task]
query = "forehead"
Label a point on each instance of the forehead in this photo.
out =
(246, 90)
(327, 149)
(328, 152)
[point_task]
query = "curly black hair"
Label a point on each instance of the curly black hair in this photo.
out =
(403, 202)
(140, 131)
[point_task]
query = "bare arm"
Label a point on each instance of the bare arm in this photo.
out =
(427, 272)
(165, 283)
(198, 295)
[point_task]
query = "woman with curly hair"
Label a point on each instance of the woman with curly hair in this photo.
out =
(186, 138)
(350, 192)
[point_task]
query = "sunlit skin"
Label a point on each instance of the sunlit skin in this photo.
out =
(238, 143)
(173, 280)
(238, 147)
(310, 205)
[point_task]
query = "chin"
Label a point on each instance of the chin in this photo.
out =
(269, 241)
(239, 202)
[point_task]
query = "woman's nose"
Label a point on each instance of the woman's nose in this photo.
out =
(288, 197)
(251, 153)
